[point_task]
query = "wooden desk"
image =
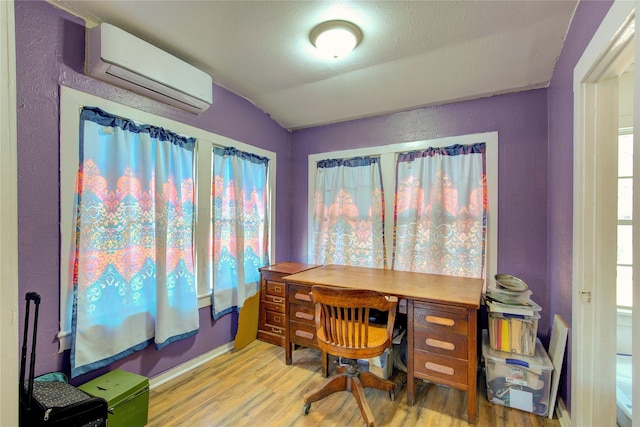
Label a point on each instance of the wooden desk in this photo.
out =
(441, 321)
(271, 322)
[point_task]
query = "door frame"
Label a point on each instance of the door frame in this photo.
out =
(8, 219)
(594, 243)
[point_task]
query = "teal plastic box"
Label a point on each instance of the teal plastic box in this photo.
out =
(127, 396)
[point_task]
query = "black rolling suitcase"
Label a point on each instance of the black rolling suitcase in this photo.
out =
(49, 400)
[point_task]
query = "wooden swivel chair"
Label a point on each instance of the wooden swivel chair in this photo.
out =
(343, 330)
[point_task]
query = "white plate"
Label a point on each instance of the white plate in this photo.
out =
(511, 283)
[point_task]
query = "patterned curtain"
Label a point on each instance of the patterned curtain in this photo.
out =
(133, 269)
(348, 213)
(440, 211)
(240, 227)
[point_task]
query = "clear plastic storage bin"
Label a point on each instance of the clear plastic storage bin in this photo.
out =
(513, 333)
(518, 382)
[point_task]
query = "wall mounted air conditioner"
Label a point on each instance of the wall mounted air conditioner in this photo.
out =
(117, 57)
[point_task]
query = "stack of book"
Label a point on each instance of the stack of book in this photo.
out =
(513, 316)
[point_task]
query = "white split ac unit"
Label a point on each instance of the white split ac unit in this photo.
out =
(117, 57)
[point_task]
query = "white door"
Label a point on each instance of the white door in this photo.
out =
(598, 261)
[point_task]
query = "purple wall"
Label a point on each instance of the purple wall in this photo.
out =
(586, 20)
(49, 53)
(535, 148)
(521, 122)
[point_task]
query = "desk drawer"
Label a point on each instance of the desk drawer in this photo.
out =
(446, 369)
(272, 303)
(300, 294)
(441, 319)
(302, 313)
(451, 345)
(303, 334)
(274, 318)
(275, 288)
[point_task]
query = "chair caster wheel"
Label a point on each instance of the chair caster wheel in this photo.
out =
(392, 395)
(307, 407)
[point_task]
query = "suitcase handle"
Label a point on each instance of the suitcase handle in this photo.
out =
(35, 297)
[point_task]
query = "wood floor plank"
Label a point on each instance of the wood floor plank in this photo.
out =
(254, 387)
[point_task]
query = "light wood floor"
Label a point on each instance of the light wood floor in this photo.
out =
(253, 387)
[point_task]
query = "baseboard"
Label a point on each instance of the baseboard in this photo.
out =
(188, 365)
(563, 415)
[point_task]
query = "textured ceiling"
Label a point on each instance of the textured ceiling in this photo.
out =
(413, 53)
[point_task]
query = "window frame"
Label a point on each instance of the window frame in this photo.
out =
(71, 102)
(623, 309)
(388, 155)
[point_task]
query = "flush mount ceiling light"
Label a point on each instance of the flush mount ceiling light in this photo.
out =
(335, 39)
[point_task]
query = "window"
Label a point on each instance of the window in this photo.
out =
(133, 276)
(72, 102)
(240, 224)
(348, 213)
(388, 156)
(440, 211)
(624, 280)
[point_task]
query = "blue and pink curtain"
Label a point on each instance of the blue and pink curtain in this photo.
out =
(348, 213)
(134, 280)
(441, 211)
(240, 227)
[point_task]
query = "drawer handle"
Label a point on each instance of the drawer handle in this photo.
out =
(439, 368)
(278, 300)
(440, 344)
(276, 330)
(277, 289)
(303, 315)
(444, 321)
(302, 296)
(304, 334)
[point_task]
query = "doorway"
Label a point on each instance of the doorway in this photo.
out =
(604, 293)
(624, 261)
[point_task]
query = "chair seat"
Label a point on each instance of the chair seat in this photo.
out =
(377, 343)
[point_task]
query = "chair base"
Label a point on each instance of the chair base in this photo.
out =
(349, 379)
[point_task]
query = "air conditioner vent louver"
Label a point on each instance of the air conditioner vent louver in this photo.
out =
(124, 60)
